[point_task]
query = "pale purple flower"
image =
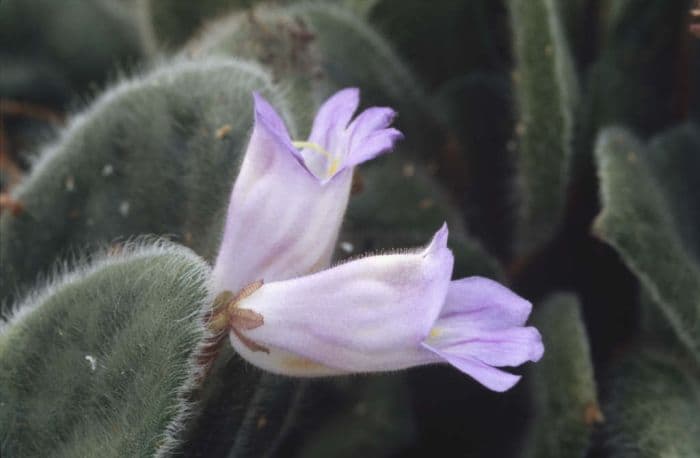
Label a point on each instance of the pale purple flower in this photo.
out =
(289, 199)
(384, 313)
(284, 313)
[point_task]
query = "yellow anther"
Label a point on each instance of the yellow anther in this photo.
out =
(435, 333)
(333, 161)
(315, 147)
(333, 166)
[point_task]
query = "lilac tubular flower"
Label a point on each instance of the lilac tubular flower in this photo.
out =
(289, 199)
(383, 313)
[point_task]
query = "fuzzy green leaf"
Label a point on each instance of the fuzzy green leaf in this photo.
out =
(547, 93)
(674, 160)
(640, 220)
(653, 408)
(154, 155)
(562, 384)
(102, 361)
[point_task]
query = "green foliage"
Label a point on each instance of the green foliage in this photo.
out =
(33, 80)
(315, 49)
(444, 40)
(562, 384)
(361, 7)
(638, 38)
(674, 161)
(45, 39)
(547, 93)
(276, 39)
(148, 157)
(400, 205)
(640, 223)
(174, 23)
(101, 362)
(479, 114)
(243, 411)
(375, 420)
(158, 154)
(574, 14)
(271, 413)
(460, 50)
(155, 155)
(354, 54)
(653, 406)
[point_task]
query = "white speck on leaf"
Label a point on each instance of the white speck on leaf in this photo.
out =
(107, 170)
(347, 247)
(92, 361)
(70, 184)
(124, 208)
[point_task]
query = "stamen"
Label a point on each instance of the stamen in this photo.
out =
(315, 147)
(333, 161)
(333, 166)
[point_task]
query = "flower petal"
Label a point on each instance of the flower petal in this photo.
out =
(370, 120)
(503, 347)
(492, 378)
(481, 326)
(266, 117)
(333, 117)
(486, 304)
(366, 315)
(281, 222)
(379, 142)
(334, 145)
(368, 135)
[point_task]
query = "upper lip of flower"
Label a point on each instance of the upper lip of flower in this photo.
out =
(337, 142)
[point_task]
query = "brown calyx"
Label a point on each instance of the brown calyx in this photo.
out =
(229, 316)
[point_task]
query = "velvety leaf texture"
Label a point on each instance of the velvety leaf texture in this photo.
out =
(124, 125)
(101, 361)
(563, 385)
(547, 92)
(652, 410)
(107, 177)
(638, 221)
(674, 160)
